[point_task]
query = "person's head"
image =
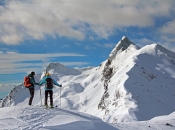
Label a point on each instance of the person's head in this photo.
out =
(32, 73)
(47, 74)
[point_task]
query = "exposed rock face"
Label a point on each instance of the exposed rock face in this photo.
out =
(10, 98)
(121, 46)
(109, 70)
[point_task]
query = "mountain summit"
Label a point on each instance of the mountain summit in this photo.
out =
(139, 84)
(132, 84)
(60, 69)
(122, 45)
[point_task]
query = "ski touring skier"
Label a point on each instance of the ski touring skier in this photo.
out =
(32, 87)
(48, 81)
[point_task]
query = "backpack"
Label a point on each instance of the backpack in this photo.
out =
(27, 83)
(49, 83)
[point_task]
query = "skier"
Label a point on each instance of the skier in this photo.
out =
(31, 88)
(48, 81)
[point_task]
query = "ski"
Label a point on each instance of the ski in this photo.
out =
(50, 107)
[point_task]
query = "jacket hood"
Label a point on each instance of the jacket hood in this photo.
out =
(48, 76)
(30, 75)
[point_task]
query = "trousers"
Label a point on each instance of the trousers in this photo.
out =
(31, 90)
(50, 93)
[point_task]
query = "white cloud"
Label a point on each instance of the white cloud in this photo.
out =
(167, 31)
(105, 45)
(17, 62)
(74, 63)
(142, 42)
(35, 19)
(168, 28)
(11, 52)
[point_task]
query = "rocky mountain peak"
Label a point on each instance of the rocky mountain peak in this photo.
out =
(122, 45)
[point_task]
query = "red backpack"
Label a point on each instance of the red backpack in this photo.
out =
(27, 83)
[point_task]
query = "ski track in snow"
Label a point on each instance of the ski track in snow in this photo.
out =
(30, 118)
(38, 118)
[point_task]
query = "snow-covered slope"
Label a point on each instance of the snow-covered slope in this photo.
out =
(37, 118)
(142, 86)
(132, 84)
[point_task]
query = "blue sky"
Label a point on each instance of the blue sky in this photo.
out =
(76, 33)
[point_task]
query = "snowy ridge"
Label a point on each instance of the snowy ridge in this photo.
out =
(134, 84)
(122, 45)
(85, 69)
(60, 69)
(143, 82)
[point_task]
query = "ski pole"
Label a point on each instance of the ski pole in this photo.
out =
(40, 95)
(60, 98)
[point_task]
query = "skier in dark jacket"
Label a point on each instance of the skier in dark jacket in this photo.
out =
(48, 81)
(32, 87)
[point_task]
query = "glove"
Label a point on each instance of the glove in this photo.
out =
(60, 85)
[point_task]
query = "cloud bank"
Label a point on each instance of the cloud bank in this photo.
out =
(12, 62)
(22, 20)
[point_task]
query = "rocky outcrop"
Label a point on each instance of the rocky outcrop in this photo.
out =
(109, 70)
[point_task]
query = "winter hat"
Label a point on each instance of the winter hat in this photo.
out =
(32, 73)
